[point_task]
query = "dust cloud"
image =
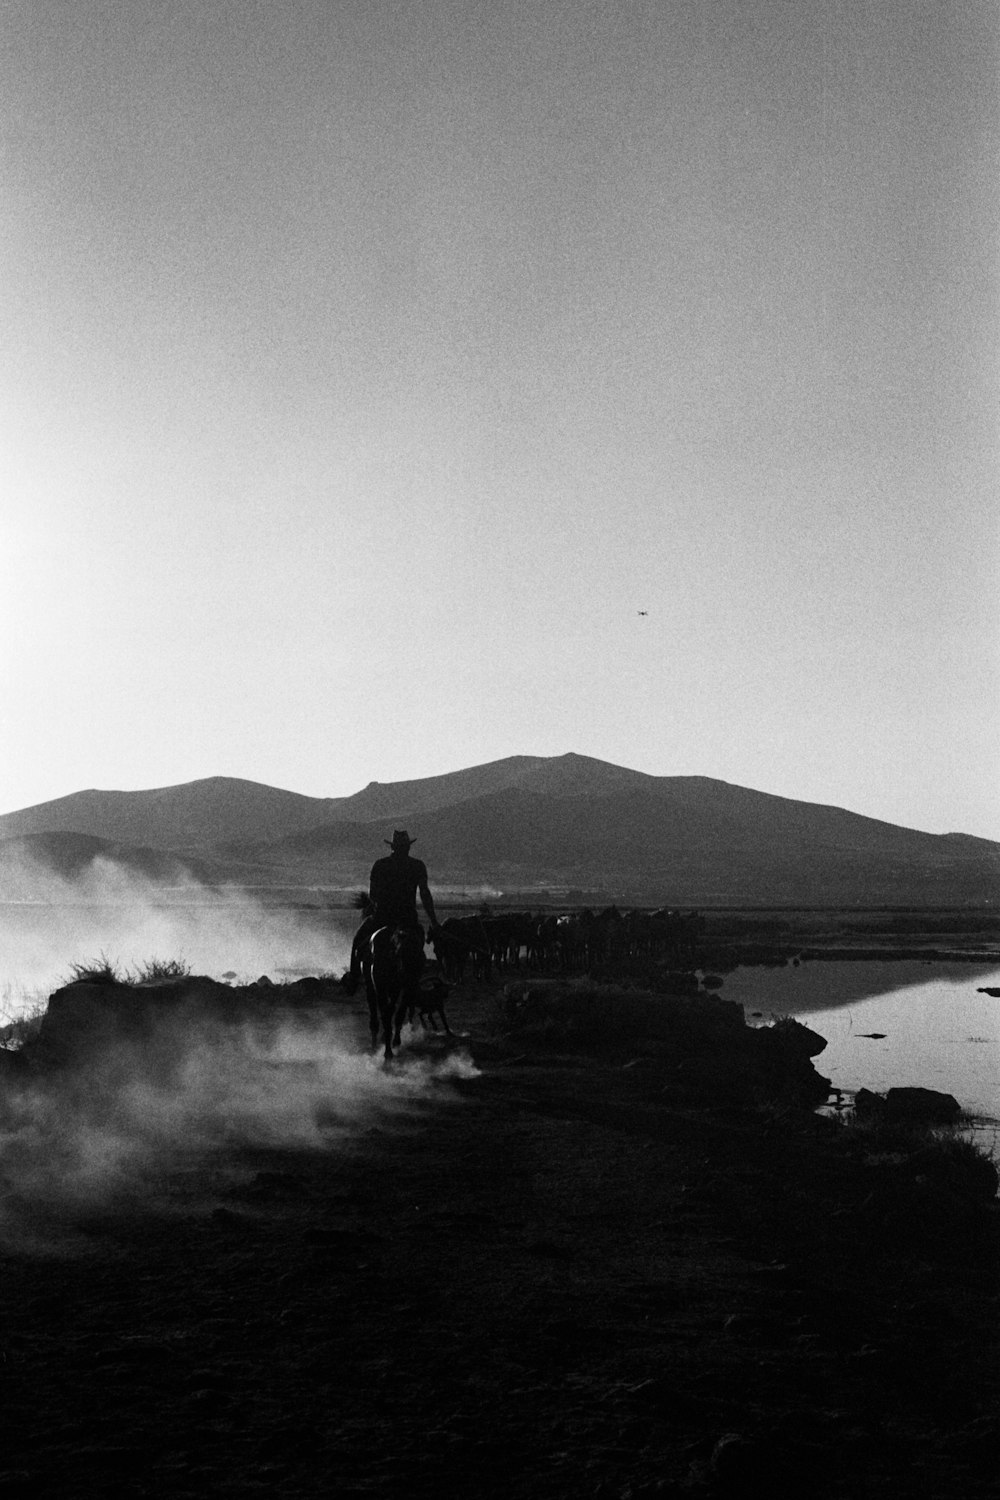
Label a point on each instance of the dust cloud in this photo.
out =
(49, 921)
(103, 1133)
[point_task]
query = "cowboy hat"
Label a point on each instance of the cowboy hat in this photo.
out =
(400, 840)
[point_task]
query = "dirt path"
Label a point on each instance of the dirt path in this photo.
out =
(550, 1279)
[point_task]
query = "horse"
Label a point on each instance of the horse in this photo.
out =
(392, 962)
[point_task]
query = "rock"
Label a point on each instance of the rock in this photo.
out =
(909, 1105)
(310, 987)
(751, 1065)
(157, 1022)
(791, 1036)
(85, 1017)
(926, 1105)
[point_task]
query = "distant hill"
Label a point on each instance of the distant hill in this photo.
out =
(29, 864)
(567, 821)
(194, 816)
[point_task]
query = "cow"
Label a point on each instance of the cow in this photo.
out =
(459, 940)
(545, 949)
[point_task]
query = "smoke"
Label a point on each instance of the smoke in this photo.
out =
(50, 920)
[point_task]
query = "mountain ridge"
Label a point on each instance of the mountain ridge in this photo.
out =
(190, 815)
(31, 862)
(566, 821)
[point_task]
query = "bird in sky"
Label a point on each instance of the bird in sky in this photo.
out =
(643, 611)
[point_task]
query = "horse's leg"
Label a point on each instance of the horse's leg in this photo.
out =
(379, 993)
(380, 1017)
(409, 1000)
(387, 1010)
(398, 1015)
(373, 1016)
(387, 1032)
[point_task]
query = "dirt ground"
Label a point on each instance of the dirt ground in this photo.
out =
(560, 1276)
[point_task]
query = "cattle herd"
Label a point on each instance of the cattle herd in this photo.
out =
(481, 945)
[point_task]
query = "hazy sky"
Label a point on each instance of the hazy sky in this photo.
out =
(369, 366)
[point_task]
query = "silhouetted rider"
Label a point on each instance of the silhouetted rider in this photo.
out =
(393, 885)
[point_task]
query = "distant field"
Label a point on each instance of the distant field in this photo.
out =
(934, 928)
(950, 928)
(971, 928)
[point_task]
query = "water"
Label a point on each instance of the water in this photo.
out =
(938, 1032)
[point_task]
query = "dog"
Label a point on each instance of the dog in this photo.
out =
(429, 1003)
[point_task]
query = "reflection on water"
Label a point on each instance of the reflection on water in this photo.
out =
(939, 1033)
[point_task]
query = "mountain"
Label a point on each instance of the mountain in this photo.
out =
(670, 839)
(393, 799)
(195, 816)
(567, 821)
(223, 810)
(34, 866)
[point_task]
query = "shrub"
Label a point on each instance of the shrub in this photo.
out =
(586, 1015)
(95, 971)
(162, 968)
(932, 1151)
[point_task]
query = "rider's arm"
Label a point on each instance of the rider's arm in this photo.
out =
(427, 900)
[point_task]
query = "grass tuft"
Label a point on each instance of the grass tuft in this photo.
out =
(99, 970)
(161, 968)
(938, 1152)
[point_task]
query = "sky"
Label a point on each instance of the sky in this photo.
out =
(391, 386)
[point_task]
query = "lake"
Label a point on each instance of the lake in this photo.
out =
(938, 1032)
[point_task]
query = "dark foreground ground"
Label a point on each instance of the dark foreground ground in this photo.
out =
(562, 1277)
